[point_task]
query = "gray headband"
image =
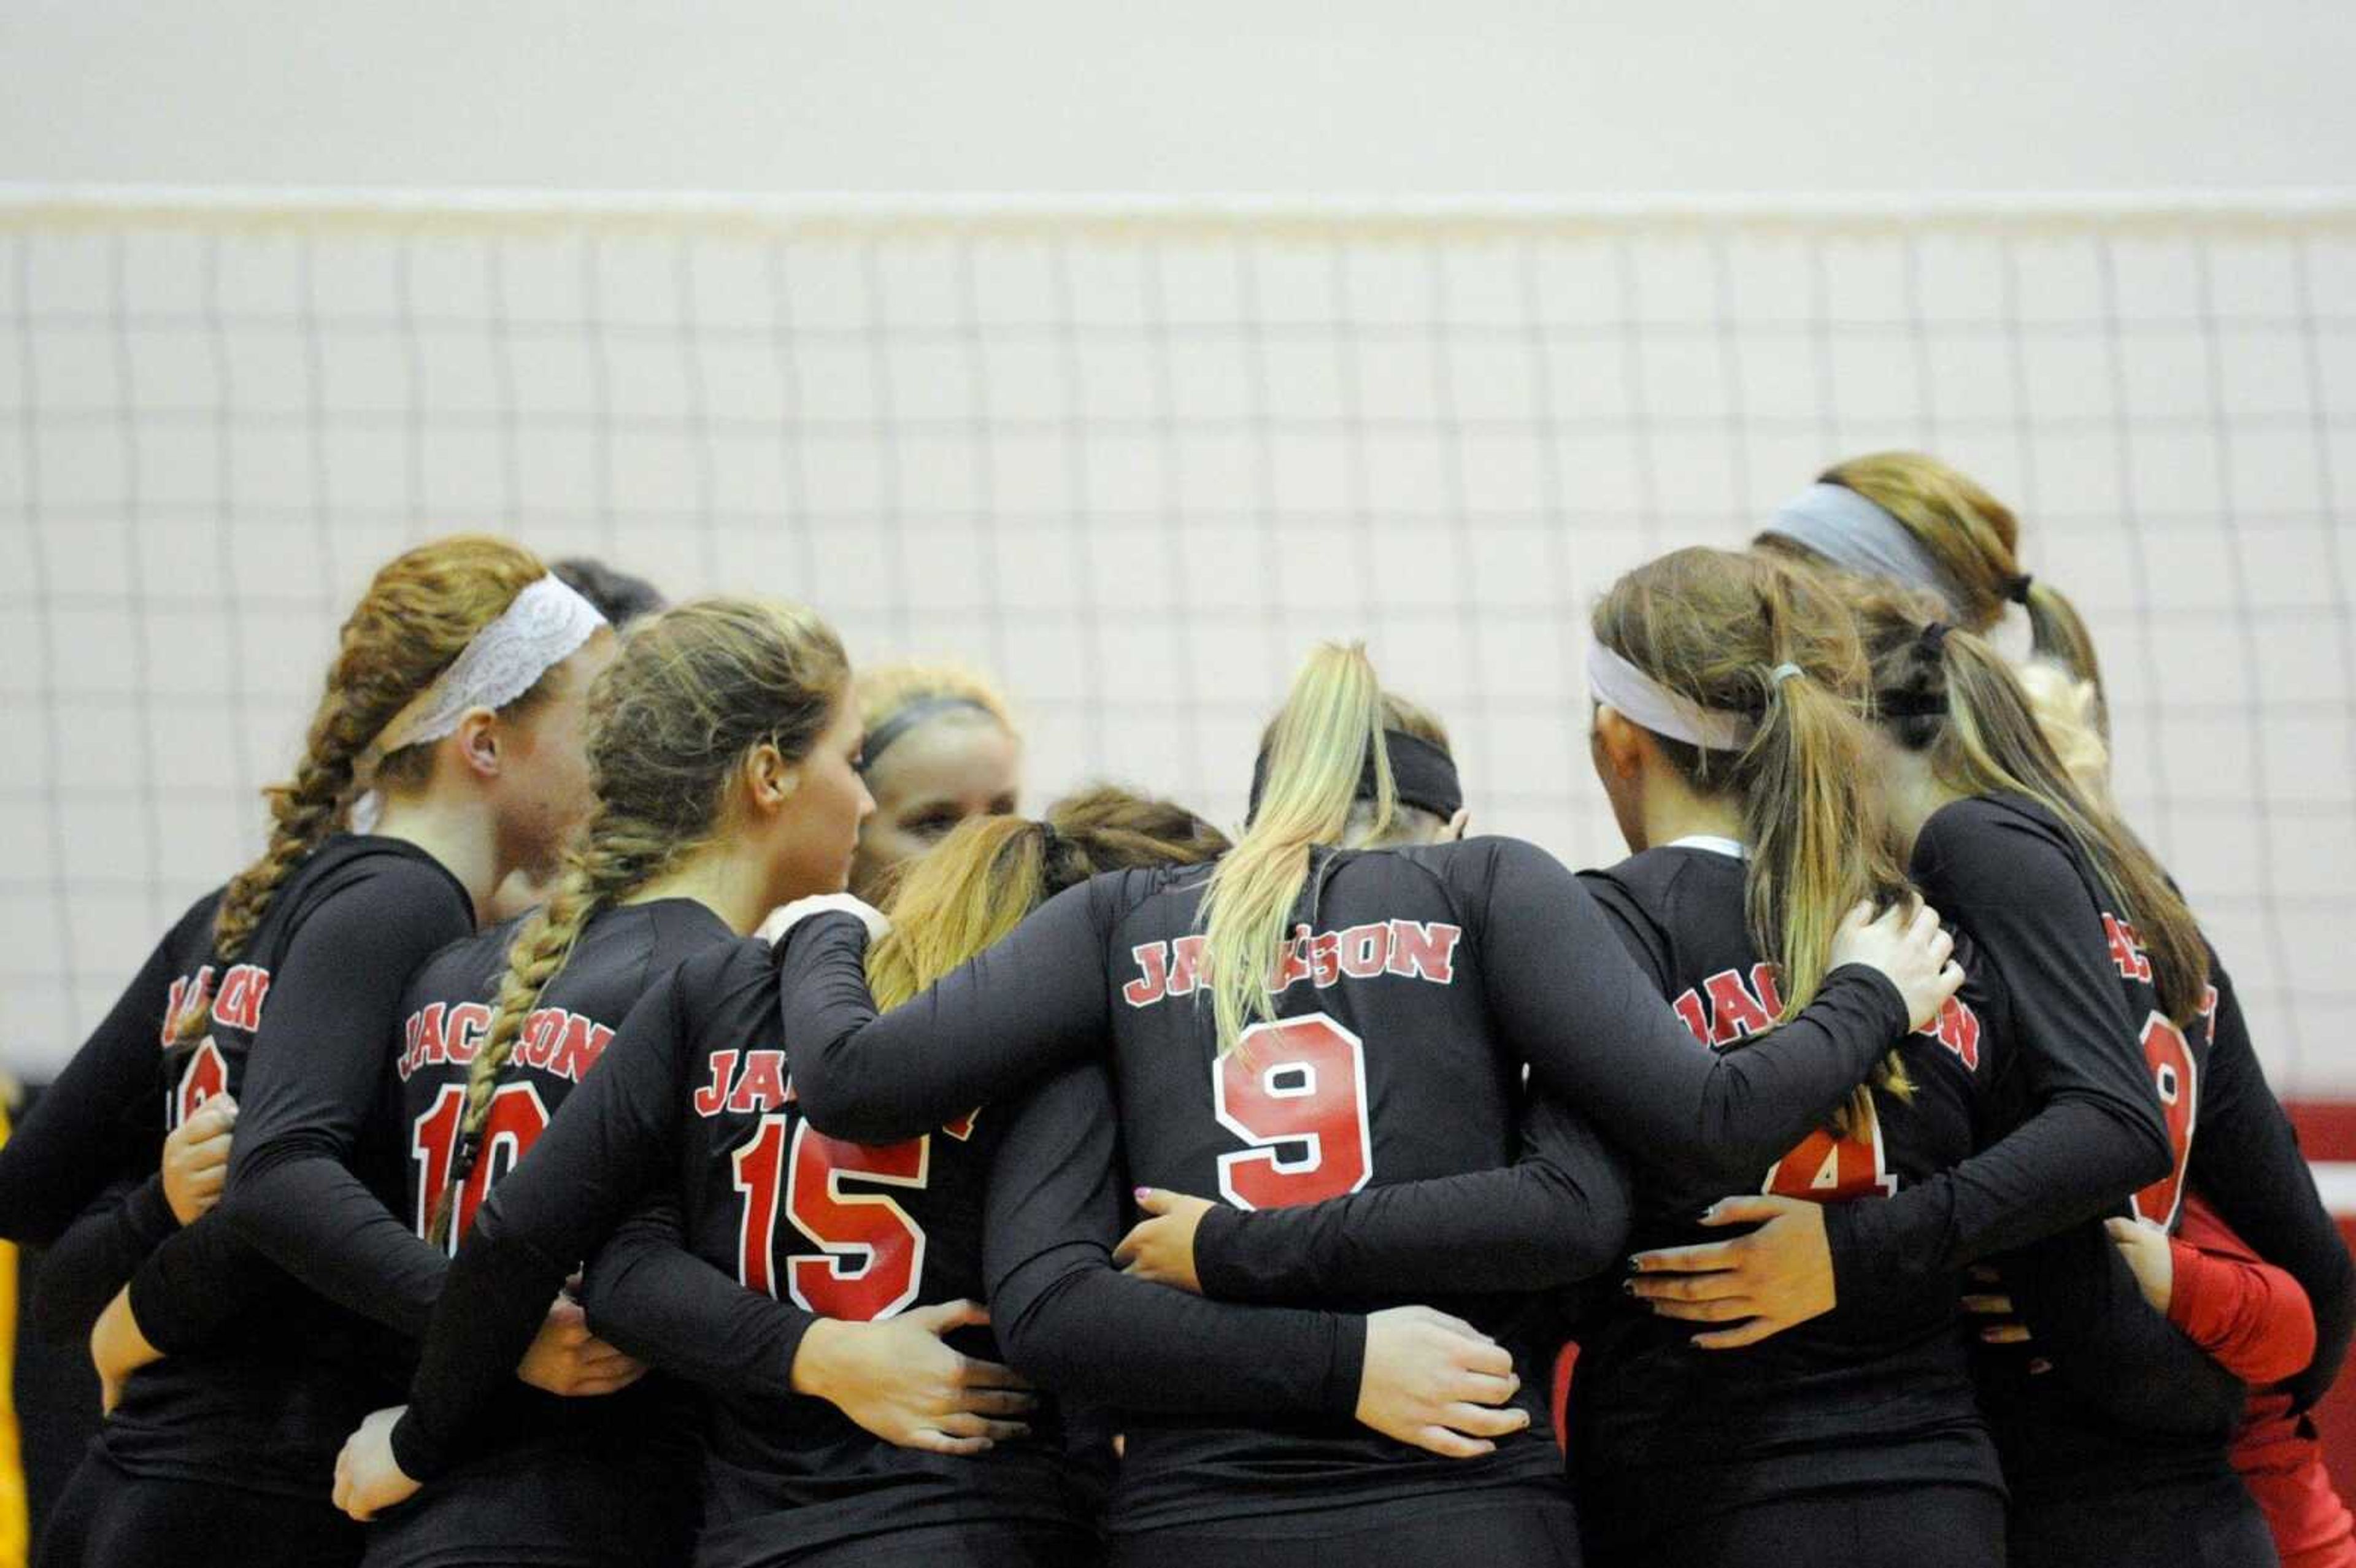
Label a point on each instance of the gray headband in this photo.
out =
(1855, 535)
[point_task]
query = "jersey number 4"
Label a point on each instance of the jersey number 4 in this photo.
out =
(874, 1251)
(2176, 1080)
(1832, 1167)
(1295, 1090)
(517, 1119)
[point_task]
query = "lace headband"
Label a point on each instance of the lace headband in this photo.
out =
(1857, 535)
(1649, 705)
(546, 625)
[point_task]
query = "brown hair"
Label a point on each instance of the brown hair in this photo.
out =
(991, 871)
(692, 691)
(1946, 693)
(1714, 627)
(420, 612)
(1976, 540)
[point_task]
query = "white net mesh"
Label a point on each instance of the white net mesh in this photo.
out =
(1131, 461)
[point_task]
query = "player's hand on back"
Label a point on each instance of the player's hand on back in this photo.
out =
(1910, 947)
(565, 1358)
(899, 1379)
(368, 1478)
(196, 1160)
(1161, 1247)
(1752, 1287)
(1436, 1382)
(784, 917)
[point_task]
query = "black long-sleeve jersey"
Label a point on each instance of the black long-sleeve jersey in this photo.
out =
(693, 1096)
(1418, 985)
(1876, 1393)
(262, 1382)
(556, 1480)
(103, 1120)
(2130, 1405)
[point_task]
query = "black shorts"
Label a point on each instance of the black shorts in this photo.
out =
(1892, 1527)
(1503, 1527)
(966, 1545)
(2211, 1524)
(109, 1518)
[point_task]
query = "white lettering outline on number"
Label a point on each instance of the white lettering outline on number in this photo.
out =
(1268, 1151)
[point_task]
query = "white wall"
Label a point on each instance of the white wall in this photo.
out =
(1378, 96)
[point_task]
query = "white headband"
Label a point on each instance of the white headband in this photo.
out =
(1857, 535)
(546, 625)
(1645, 702)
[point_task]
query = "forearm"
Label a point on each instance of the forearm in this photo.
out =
(312, 1217)
(95, 1259)
(1559, 1215)
(1070, 1320)
(646, 1295)
(2253, 1320)
(2069, 1162)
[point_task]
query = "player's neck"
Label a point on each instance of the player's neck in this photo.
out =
(720, 878)
(1914, 795)
(462, 834)
(1673, 812)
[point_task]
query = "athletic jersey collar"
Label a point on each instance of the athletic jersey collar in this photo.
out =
(1712, 844)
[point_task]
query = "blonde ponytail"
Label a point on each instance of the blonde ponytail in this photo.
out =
(1317, 749)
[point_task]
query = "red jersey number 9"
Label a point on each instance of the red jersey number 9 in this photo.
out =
(2176, 1081)
(1295, 1090)
(875, 1252)
(514, 1122)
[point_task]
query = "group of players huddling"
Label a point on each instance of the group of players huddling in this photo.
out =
(1882, 1132)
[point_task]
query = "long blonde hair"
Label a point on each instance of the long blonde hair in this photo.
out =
(420, 612)
(1317, 749)
(991, 871)
(1949, 695)
(692, 691)
(1715, 626)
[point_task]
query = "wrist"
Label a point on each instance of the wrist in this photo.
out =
(817, 1358)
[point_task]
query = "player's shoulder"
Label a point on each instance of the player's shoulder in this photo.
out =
(471, 964)
(1991, 843)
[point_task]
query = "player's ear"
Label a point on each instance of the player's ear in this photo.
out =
(477, 742)
(768, 778)
(1619, 745)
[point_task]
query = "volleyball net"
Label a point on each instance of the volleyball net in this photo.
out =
(1132, 457)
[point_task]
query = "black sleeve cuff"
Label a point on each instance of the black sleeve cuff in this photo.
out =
(1347, 1369)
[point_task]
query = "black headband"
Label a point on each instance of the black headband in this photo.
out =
(1422, 775)
(1910, 704)
(907, 718)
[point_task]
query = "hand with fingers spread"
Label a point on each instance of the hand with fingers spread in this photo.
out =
(196, 1160)
(368, 1478)
(1161, 1247)
(567, 1360)
(898, 1378)
(1436, 1382)
(1755, 1286)
(1910, 947)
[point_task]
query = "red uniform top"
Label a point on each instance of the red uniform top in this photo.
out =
(2256, 1321)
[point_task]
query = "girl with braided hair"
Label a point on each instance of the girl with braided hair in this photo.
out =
(455, 696)
(694, 733)
(755, 1257)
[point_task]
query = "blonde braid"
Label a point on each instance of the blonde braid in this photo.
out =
(690, 692)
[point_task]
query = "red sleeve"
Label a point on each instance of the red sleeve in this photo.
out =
(2251, 1318)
